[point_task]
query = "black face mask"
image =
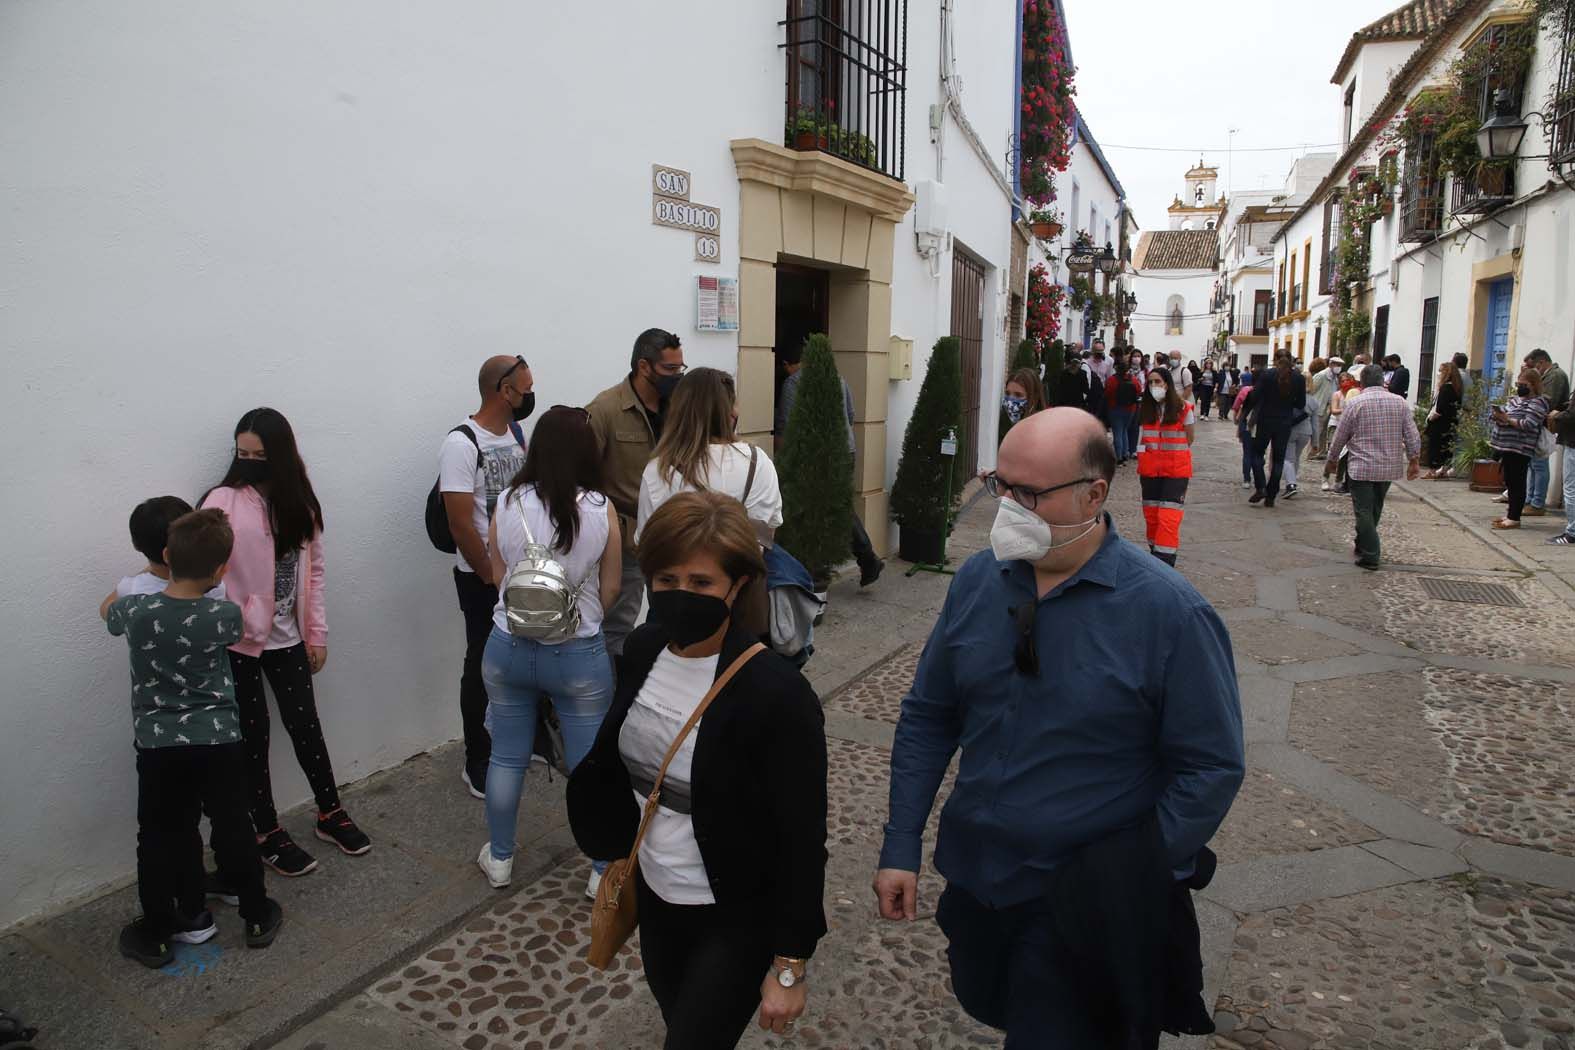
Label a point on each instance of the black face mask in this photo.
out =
(665, 384)
(526, 406)
(688, 617)
(250, 471)
(1524, 389)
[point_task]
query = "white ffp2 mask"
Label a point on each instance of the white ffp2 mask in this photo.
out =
(1021, 535)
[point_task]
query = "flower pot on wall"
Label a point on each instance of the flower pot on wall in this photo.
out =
(1045, 231)
(809, 141)
(1487, 475)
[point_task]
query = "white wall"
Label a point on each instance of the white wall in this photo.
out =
(1153, 289)
(340, 211)
(978, 209)
(1375, 66)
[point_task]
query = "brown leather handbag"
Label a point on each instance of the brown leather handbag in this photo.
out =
(615, 913)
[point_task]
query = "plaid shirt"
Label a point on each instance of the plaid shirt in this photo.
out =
(1380, 432)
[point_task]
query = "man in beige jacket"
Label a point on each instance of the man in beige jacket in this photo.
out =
(627, 419)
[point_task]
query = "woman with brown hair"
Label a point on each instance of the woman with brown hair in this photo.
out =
(1165, 434)
(1442, 420)
(1024, 395)
(699, 452)
(731, 868)
(1516, 427)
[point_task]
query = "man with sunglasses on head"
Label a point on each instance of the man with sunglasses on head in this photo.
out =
(627, 421)
(478, 459)
(1092, 774)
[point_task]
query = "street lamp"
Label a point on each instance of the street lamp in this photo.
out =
(1107, 261)
(1500, 137)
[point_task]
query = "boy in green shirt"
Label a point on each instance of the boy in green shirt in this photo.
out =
(186, 729)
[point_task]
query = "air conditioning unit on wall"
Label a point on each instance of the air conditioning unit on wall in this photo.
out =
(929, 217)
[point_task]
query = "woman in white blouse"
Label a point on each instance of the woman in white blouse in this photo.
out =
(699, 452)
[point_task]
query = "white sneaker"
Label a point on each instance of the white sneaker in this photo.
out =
(1502, 497)
(475, 792)
(1327, 487)
(593, 884)
(1246, 484)
(498, 872)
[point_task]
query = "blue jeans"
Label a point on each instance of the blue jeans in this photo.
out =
(576, 674)
(1250, 459)
(1121, 430)
(1132, 433)
(1537, 483)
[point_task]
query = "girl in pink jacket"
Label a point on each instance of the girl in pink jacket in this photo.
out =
(276, 577)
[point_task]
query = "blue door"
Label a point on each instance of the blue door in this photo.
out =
(1496, 343)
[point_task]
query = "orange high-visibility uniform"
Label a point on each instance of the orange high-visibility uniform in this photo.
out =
(1164, 468)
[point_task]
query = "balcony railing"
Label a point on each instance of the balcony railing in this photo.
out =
(1421, 215)
(1489, 188)
(847, 80)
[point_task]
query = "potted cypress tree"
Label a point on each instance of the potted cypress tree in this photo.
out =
(1027, 356)
(815, 467)
(921, 500)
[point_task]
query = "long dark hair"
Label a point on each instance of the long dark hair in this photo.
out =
(1172, 409)
(1282, 373)
(562, 460)
(293, 510)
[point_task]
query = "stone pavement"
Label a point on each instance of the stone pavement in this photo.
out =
(1398, 870)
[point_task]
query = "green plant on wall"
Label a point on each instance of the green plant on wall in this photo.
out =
(815, 468)
(1472, 429)
(1027, 356)
(920, 497)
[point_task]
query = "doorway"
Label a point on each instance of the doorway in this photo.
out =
(803, 308)
(1495, 345)
(968, 327)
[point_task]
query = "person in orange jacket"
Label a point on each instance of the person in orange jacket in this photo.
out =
(1165, 432)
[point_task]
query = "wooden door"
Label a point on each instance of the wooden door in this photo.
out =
(968, 327)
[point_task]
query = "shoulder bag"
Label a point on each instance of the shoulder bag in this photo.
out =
(615, 914)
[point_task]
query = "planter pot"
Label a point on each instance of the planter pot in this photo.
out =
(1487, 475)
(809, 141)
(1030, 55)
(922, 546)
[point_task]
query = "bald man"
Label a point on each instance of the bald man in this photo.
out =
(1092, 772)
(478, 459)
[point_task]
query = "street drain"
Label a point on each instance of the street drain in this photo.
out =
(1476, 593)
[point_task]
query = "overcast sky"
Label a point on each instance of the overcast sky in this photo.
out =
(1153, 73)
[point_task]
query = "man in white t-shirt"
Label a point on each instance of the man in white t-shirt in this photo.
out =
(477, 461)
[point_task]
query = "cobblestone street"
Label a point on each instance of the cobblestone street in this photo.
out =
(1397, 872)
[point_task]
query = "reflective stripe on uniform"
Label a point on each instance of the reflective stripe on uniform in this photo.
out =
(1166, 504)
(1164, 550)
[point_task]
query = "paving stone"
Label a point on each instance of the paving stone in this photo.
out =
(1422, 861)
(1274, 642)
(1270, 817)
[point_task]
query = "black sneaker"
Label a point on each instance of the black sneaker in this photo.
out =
(1290, 492)
(475, 780)
(1256, 497)
(260, 934)
(142, 944)
(339, 829)
(871, 572)
(216, 889)
(195, 930)
(279, 851)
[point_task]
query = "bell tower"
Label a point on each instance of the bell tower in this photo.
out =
(1199, 207)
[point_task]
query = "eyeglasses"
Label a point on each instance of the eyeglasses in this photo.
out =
(519, 363)
(1026, 497)
(1026, 653)
(668, 370)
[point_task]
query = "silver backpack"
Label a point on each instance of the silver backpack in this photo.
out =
(539, 600)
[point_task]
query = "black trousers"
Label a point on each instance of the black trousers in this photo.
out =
(1515, 468)
(705, 964)
(1205, 400)
(863, 549)
(477, 601)
(1012, 970)
(174, 786)
(1277, 435)
(290, 677)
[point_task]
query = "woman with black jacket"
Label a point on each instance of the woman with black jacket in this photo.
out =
(1279, 402)
(732, 868)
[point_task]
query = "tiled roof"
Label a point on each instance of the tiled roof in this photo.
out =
(1177, 250)
(1412, 21)
(1456, 14)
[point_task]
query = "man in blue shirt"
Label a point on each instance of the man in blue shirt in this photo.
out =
(1069, 736)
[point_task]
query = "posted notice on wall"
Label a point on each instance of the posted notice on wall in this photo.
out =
(716, 304)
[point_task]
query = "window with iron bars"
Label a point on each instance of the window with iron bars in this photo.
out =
(1492, 183)
(1422, 193)
(1561, 116)
(847, 80)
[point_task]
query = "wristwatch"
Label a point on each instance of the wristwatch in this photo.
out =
(790, 972)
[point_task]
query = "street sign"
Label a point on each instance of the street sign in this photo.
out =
(949, 443)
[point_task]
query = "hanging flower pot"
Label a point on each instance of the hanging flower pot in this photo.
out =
(1386, 206)
(1045, 231)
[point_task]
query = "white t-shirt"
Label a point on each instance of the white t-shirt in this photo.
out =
(582, 562)
(669, 855)
(147, 583)
(286, 630)
(729, 470)
(501, 459)
(1180, 376)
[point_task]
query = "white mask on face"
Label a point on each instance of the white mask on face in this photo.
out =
(1157, 393)
(1021, 535)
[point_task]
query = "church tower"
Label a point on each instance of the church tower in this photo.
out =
(1201, 207)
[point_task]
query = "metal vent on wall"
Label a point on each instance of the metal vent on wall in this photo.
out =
(1475, 593)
